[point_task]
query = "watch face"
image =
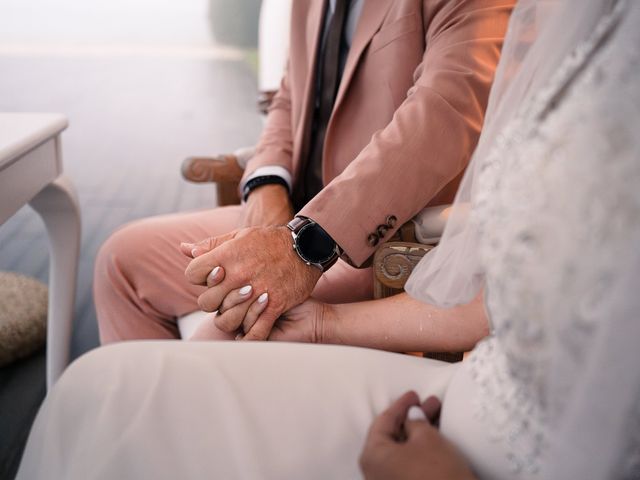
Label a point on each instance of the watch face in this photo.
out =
(314, 244)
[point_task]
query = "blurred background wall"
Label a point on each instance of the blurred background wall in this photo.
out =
(235, 22)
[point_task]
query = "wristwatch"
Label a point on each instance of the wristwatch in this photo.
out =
(312, 244)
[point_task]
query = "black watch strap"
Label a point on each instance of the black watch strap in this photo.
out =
(256, 182)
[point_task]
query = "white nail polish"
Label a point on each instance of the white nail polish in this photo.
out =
(213, 273)
(245, 290)
(263, 298)
(416, 414)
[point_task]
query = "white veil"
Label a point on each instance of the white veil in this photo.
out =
(598, 433)
(541, 34)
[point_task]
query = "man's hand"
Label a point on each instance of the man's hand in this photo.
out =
(266, 206)
(242, 266)
(403, 444)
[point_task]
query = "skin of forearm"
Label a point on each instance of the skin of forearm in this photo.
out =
(400, 323)
(268, 205)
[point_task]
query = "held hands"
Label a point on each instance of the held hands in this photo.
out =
(253, 275)
(309, 322)
(403, 444)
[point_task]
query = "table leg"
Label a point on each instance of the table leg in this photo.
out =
(57, 204)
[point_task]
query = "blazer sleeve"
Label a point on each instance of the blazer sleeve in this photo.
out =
(432, 134)
(275, 146)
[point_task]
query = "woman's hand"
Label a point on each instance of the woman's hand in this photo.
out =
(305, 323)
(403, 444)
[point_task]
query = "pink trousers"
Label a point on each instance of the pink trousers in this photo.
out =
(139, 285)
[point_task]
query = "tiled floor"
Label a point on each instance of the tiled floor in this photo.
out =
(143, 86)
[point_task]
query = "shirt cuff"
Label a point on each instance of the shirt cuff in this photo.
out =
(269, 170)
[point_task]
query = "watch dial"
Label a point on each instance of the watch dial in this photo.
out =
(314, 244)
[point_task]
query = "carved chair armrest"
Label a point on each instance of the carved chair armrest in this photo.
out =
(392, 265)
(393, 262)
(223, 170)
(220, 168)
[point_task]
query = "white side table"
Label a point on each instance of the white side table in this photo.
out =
(31, 172)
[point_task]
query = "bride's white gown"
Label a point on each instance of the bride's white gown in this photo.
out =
(560, 243)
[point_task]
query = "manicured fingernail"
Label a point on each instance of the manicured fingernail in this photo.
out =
(213, 274)
(246, 290)
(416, 414)
(263, 298)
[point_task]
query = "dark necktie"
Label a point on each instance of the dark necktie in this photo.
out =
(329, 72)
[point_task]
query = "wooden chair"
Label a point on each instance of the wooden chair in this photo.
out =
(223, 170)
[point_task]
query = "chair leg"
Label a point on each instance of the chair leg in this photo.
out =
(227, 193)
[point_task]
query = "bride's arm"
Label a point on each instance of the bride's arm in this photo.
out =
(397, 323)
(400, 323)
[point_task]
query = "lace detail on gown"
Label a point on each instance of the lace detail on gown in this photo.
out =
(547, 292)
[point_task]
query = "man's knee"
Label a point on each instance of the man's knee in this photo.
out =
(123, 249)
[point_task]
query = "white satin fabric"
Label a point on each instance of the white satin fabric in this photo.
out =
(196, 410)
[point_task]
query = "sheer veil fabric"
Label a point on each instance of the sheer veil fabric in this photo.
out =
(541, 34)
(591, 369)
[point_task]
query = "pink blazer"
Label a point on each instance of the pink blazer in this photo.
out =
(407, 116)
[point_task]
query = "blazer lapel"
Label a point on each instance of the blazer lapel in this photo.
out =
(315, 21)
(373, 13)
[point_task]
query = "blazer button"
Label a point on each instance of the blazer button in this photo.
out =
(382, 230)
(391, 221)
(373, 240)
